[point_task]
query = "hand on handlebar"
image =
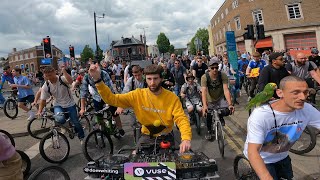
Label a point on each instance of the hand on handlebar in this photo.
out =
(185, 145)
(231, 108)
(81, 112)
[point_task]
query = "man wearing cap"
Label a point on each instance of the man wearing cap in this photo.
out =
(242, 66)
(199, 69)
(273, 72)
(215, 94)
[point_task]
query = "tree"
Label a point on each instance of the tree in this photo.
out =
(203, 35)
(86, 53)
(171, 49)
(163, 43)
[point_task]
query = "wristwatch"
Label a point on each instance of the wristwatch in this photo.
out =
(99, 80)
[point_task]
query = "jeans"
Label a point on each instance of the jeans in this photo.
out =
(281, 169)
(2, 99)
(177, 88)
(253, 84)
(73, 114)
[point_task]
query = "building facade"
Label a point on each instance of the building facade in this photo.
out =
(138, 48)
(153, 51)
(291, 25)
(30, 59)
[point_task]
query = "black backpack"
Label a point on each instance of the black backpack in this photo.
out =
(209, 81)
(61, 82)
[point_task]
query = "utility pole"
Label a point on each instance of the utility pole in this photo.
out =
(95, 31)
(145, 40)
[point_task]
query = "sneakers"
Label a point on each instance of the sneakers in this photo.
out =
(203, 124)
(121, 132)
(32, 115)
(208, 136)
(223, 123)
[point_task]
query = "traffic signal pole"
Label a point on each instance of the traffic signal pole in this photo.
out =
(95, 33)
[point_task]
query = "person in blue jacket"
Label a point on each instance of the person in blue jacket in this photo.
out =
(6, 76)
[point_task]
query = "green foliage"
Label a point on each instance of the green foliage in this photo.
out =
(86, 53)
(171, 49)
(203, 35)
(163, 43)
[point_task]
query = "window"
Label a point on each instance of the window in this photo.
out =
(222, 16)
(220, 35)
(250, 0)
(235, 4)
(237, 22)
(224, 31)
(229, 26)
(16, 58)
(257, 16)
(227, 11)
(218, 20)
(215, 23)
(294, 11)
(21, 57)
(31, 55)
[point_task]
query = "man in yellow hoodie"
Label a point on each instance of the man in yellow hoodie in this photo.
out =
(149, 104)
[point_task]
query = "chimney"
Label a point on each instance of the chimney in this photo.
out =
(141, 38)
(14, 49)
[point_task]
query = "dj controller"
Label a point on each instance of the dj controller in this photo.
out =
(190, 165)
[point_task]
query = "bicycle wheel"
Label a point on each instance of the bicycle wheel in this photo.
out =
(220, 138)
(54, 148)
(198, 124)
(37, 128)
(305, 143)
(26, 163)
(49, 173)
(10, 108)
(96, 145)
(242, 169)
(86, 125)
(7, 136)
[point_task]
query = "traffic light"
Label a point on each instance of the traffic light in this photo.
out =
(47, 51)
(71, 49)
(249, 34)
(260, 31)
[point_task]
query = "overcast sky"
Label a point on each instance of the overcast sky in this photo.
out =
(23, 23)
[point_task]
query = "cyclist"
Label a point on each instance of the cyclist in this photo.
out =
(79, 79)
(57, 86)
(274, 128)
(306, 70)
(23, 84)
(242, 67)
(191, 90)
(10, 161)
(167, 76)
(179, 74)
(199, 69)
(88, 85)
(117, 68)
(253, 70)
(6, 76)
(215, 93)
(149, 104)
(273, 72)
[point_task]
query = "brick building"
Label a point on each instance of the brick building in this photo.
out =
(31, 58)
(289, 24)
(120, 48)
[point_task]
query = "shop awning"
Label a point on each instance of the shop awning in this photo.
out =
(264, 43)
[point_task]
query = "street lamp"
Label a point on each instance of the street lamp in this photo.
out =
(95, 31)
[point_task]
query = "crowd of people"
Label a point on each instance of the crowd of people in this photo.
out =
(208, 82)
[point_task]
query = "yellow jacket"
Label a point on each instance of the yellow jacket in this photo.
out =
(166, 105)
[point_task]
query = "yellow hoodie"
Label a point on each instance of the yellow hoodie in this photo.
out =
(166, 105)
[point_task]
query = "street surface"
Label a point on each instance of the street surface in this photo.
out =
(305, 166)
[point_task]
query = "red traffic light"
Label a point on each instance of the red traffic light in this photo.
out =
(70, 48)
(46, 40)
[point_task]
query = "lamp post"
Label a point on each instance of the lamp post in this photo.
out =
(95, 31)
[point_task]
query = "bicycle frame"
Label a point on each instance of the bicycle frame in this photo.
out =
(215, 121)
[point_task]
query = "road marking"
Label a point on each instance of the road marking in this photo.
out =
(33, 151)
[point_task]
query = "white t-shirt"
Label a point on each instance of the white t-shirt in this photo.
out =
(59, 92)
(261, 130)
(117, 69)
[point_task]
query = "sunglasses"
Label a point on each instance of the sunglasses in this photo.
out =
(214, 67)
(176, 63)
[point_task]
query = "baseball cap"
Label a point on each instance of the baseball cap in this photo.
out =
(314, 51)
(213, 61)
(274, 55)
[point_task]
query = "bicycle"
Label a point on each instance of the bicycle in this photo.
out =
(242, 169)
(194, 116)
(10, 106)
(136, 126)
(8, 136)
(53, 142)
(49, 172)
(217, 128)
(95, 144)
(26, 163)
